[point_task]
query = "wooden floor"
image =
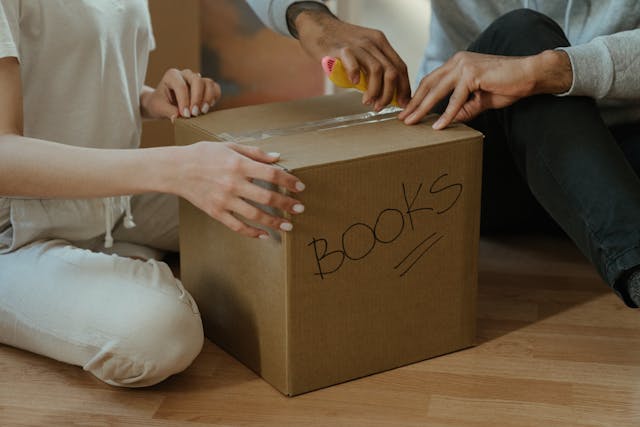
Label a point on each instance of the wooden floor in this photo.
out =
(555, 348)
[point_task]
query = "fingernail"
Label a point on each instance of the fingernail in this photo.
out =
(286, 226)
(300, 186)
(195, 111)
(185, 113)
(274, 154)
(205, 108)
(438, 123)
(263, 237)
(173, 118)
(298, 208)
(212, 104)
(410, 117)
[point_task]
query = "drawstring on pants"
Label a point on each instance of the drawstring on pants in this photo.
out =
(127, 221)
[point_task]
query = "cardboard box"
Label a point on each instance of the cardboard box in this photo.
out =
(379, 272)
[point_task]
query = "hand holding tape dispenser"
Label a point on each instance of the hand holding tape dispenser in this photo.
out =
(334, 69)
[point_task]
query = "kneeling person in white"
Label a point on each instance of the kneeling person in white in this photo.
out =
(71, 287)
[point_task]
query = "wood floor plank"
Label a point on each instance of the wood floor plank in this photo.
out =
(554, 348)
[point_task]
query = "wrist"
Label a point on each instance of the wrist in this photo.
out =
(162, 169)
(145, 96)
(301, 13)
(553, 72)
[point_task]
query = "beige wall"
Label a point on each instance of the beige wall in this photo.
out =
(224, 40)
(176, 27)
(253, 64)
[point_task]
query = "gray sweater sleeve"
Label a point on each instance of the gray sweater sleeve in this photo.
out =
(607, 67)
(273, 13)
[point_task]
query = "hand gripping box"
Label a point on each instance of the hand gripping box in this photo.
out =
(380, 270)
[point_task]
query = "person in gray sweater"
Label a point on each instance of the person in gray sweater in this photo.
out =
(553, 85)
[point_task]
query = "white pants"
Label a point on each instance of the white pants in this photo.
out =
(128, 322)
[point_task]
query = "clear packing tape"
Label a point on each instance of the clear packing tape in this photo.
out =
(389, 113)
(385, 114)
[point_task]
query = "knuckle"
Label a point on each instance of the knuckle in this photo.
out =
(215, 212)
(237, 227)
(235, 164)
(271, 174)
(378, 36)
(369, 44)
(232, 186)
(346, 51)
(274, 222)
(270, 198)
(391, 75)
(376, 68)
(263, 197)
(469, 71)
(254, 215)
(180, 88)
(227, 186)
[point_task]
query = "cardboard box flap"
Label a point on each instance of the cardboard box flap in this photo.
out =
(321, 130)
(356, 142)
(276, 115)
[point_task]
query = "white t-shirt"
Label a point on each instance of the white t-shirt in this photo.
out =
(83, 64)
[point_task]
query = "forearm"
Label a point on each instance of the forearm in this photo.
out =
(42, 169)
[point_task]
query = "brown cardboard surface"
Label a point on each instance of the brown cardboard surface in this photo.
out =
(380, 270)
(378, 299)
(277, 115)
(248, 320)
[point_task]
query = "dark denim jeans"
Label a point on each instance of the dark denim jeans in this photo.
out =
(551, 163)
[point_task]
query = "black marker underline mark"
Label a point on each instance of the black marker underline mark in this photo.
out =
(421, 254)
(413, 250)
